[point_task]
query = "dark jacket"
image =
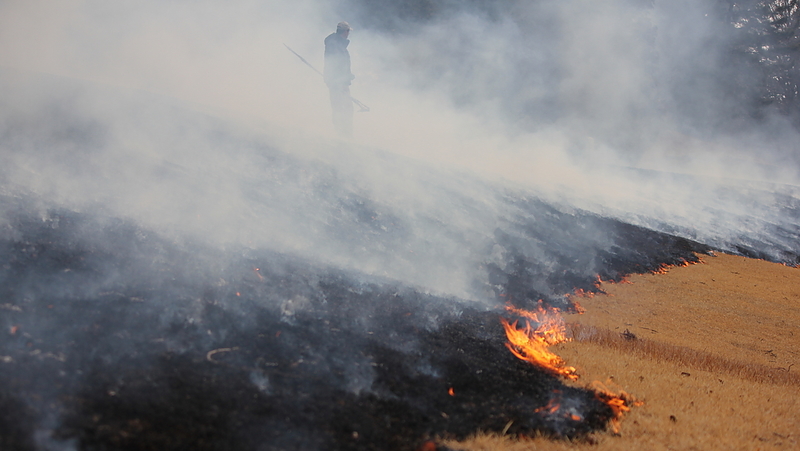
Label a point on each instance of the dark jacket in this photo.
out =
(337, 61)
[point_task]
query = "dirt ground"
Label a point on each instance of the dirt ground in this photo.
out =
(712, 350)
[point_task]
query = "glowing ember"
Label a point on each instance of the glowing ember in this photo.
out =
(555, 407)
(551, 407)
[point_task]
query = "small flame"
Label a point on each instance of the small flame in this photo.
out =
(581, 293)
(576, 306)
(530, 344)
(620, 403)
(662, 269)
(599, 282)
(665, 267)
(451, 392)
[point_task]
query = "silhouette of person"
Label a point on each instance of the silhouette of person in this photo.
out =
(338, 78)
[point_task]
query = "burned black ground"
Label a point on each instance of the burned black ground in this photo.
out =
(115, 338)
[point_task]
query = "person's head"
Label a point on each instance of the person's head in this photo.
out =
(343, 28)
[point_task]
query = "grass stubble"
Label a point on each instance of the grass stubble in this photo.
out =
(713, 351)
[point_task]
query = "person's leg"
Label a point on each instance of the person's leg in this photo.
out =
(342, 108)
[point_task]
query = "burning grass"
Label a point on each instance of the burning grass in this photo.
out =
(121, 339)
(530, 342)
(543, 328)
(710, 349)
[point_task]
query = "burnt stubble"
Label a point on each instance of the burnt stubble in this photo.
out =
(119, 339)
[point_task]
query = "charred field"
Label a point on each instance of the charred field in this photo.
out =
(190, 258)
(115, 338)
(221, 291)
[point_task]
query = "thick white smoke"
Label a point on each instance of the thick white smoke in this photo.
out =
(561, 99)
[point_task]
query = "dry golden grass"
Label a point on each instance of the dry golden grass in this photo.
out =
(716, 359)
(627, 342)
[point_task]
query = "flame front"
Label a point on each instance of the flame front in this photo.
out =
(530, 344)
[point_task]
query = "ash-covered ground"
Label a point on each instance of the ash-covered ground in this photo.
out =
(168, 281)
(189, 261)
(116, 338)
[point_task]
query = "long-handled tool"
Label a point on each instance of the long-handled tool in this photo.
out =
(363, 107)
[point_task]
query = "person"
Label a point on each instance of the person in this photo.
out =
(338, 78)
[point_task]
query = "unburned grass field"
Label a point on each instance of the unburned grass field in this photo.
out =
(712, 350)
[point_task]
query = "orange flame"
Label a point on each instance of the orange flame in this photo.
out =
(577, 308)
(665, 267)
(581, 293)
(620, 403)
(530, 344)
